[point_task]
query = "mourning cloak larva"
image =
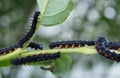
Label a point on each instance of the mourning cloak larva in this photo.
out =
(31, 31)
(105, 51)
(35, 58)
(35, 45)
(14, 47)
(8, 49)
(113, 45)
(25, 38)
(72, 44)
(79, 43)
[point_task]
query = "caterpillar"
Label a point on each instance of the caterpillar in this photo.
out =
(79, 43)
(71, 44)
(9, 49)
(31, 31)
(105, 51)
(24, 39)
(35, 58)
(113, 45)
(12, 48)
(35, 45)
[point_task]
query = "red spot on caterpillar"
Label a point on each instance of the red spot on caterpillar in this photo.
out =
(100, 51)
(118, 49)
(73, 45)
(4, 53)
(60, 46)
(66, 46)
(106, 55)
(10, 51)
(79, 45)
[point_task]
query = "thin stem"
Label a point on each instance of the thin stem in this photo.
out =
(11, 55)
(38, 24)
(83, 50)
(22, 53)
(5, 59)
(42, 13)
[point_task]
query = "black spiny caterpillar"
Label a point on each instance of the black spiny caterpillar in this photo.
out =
(35, 58)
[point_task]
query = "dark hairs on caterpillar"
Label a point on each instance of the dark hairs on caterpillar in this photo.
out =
(31, 31)
(25, 38)
(71, 44)
(105, 51)
(80, 43)
(9, 49)
(12, 48)
(113, 45)
(35, 58)
(35, 45)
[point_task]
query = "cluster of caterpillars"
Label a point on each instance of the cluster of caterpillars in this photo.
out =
(32, 58)
(103, 47)
(21, 42)
(80, 43)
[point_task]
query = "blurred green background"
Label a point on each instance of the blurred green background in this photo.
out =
(88, 20)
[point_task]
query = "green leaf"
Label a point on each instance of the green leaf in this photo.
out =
(58, 18)
(56, 11)
(5, 63)
(54, 6)
(62, 65)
